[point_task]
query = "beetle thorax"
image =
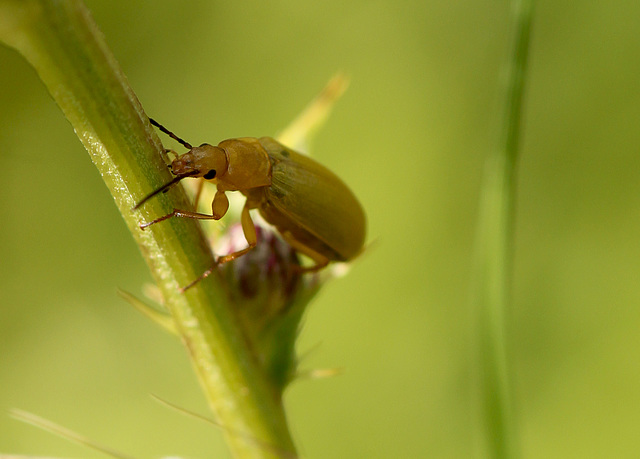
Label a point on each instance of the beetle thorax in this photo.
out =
(248, 167)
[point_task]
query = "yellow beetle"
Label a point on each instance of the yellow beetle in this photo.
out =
(313, 210)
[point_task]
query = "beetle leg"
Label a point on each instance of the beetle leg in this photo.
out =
(315, 268)
(220, 205)
(199, 188)
(320, 260)
(180, 213)
(202, 276)
(249, 230)
(173, 152)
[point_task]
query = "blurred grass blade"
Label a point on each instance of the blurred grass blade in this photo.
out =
(165, 321)
(65, 433)
(493, 274)
(279, 452)
(299, 132)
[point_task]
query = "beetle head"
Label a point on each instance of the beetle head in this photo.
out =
(204, 161)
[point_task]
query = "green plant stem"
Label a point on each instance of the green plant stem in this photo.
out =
(61, 41)
(495, 247)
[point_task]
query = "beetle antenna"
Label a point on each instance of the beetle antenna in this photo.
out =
(170, 134)
(162, 189)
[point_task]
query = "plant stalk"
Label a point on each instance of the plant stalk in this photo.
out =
(493, 274)
(61, 41)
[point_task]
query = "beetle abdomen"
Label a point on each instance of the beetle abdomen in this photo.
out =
(312, 204)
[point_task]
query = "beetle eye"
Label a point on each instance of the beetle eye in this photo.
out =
(210, 175)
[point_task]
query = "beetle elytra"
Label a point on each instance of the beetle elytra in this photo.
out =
(312, 209)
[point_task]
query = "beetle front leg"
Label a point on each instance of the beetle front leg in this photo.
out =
(220, 205)
(198, 194)
(180, 213)
(219, 208)
(249, 230)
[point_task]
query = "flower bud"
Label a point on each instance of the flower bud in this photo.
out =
(270, 294)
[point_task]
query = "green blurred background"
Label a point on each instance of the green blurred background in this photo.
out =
(410, 136)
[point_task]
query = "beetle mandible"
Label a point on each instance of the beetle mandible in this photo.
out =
(312, 209)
